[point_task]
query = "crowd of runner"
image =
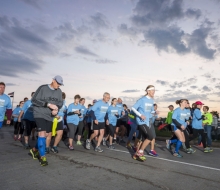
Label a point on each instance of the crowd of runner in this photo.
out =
(103, 124)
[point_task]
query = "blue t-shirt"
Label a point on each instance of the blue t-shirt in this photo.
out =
(144, 106)
(62, 110)
(5, 103)
(100, 109)
(181, 116)
(121, 108)
(28, 111)
(74, 119)
(188, 113)
(16, 112)
(83, 112)
(197, 121)
(112, 111)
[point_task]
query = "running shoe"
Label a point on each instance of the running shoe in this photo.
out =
(184, 146)
(122, 141)
(129, 145)
(15, 138)
(54, 149)
(35, 154)
(114, 141)
(26, 146)
(153, 153)
(104, 142)
(98, 149)
(168, 144)
(176, 154)
(20, 139)
(71, 148)
(190, 151)
(88, 144)
(78, 143)
(47, 150)
(111, 147)
(210, 149)
(43, 161)
(140, 156)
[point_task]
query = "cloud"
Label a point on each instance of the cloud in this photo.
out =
(193, 13)
(33, 3)
(207, 75)
(11, 84)
(105, 61)
(85, 51)
(193, 87)
(127, 31)
(99, 20)
(14, 64)
(206, 88)
(130, 91)
(161, 82)
(218, 87)
(184, 83)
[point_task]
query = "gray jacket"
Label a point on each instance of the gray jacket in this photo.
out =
(44, 95)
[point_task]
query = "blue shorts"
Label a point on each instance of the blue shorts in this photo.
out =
(174, 128)
(1, 123)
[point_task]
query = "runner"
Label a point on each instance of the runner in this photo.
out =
(73, 114)
(207, 123)
(59, 129)
(112, 115)
(17, 125)
(179, 125)
(5, 106)
(89, 120)
(98, 114)
(26, 118)
(169, 117)
(119, 122)
(143, 108)
(46, 102)
(81, 124)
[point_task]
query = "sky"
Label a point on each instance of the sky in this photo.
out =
(117, 46)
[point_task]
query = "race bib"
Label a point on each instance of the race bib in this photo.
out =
(103, 109)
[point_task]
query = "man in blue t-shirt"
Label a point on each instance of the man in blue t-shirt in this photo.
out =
(98, 114)
(5, 106)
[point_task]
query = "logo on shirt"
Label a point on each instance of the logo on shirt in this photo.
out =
(114, 112)
(103, 109)
(148, 107)
(2, 103)
(183, 116)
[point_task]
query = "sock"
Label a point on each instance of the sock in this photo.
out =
(178, 145)
(141, 151)
(41, 145)
(174, 141)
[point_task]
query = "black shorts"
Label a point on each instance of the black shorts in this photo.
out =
(60, 126)
(118, 124)
(43, 125)
(124, 123)
(28, 126)
(101, 125)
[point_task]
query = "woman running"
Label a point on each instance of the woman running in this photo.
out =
(143, 108)
(73, 113)
(17, 125)
(179, 125)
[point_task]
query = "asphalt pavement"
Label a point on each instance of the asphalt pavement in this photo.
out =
(87, 170)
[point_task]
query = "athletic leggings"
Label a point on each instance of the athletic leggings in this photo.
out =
(72, 130)
(80, 127)
(111, 130)
(196, 132)
(145, 132)
(90, 130)
(17, 126)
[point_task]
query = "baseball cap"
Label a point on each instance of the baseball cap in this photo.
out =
(199, 103)
(94, 101)
(59, 79)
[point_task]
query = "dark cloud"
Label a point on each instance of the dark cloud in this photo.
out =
(217, 87)
(207, 75)
(99, 20)
(206, 88)
(130, 91)
(193, 13)
(127, 31)
(105, 61)
(164, 83)
(193, 87)
(33, 3)
(184, 83)
(14, 64)
(84, 50)
(11, 84)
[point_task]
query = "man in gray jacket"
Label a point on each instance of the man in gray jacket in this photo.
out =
(46, 102)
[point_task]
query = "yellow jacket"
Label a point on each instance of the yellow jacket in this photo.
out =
(208, 120)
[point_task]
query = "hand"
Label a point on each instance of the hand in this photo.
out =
(54, 112)
(96, 122)
(8, 122)
(143, 117)
(182, 127)
(53, 107)
(107, 122)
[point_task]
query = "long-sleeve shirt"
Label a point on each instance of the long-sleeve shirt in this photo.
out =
(208, 120)
(169, 117)
(44, 95)
(197, 119)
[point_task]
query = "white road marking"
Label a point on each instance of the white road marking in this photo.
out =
(184, 163)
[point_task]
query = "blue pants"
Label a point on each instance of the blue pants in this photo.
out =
(132, 131)
(1, 123)
(208, 130)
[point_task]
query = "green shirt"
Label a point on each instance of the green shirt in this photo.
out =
(208, 120)
(169, 117)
